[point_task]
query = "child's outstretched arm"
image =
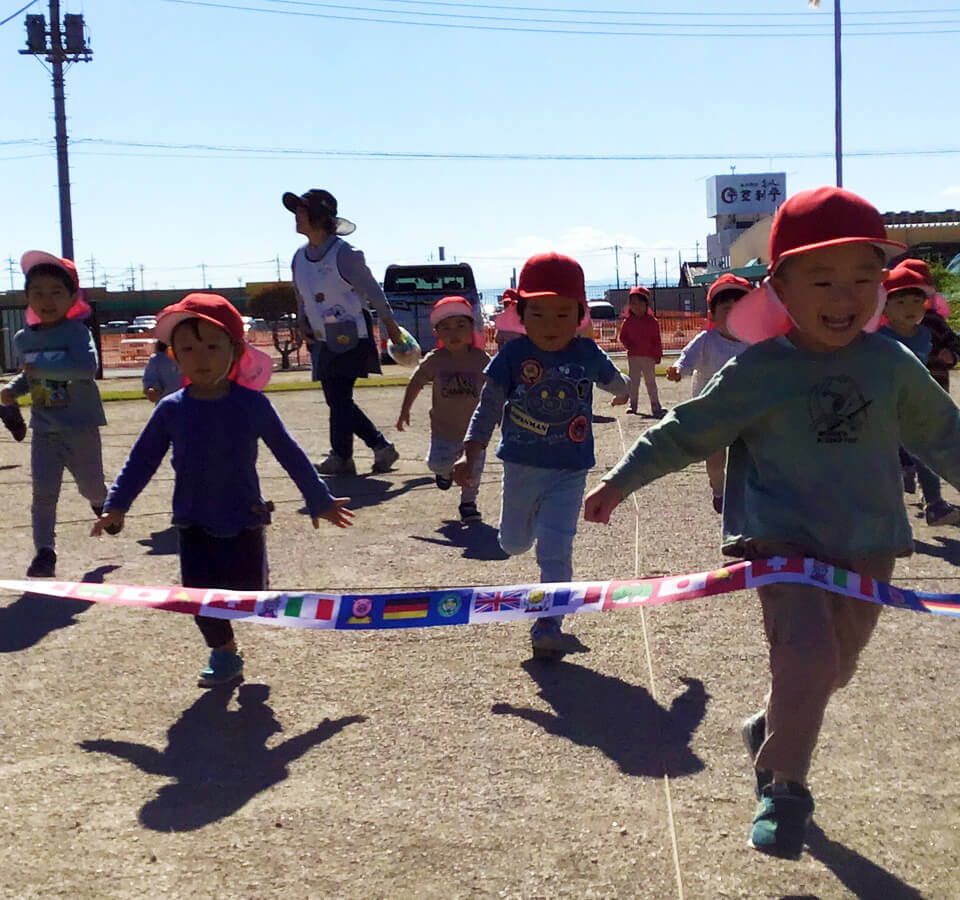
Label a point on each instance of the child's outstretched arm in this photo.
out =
(420, 377)
(689, 358)
(337, 514)
(619, 386)
(485, 418)
(600, 503)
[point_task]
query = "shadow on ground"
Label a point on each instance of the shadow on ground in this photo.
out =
(218, 757)
(478, 540)
(947, 548)
(161, 543)
(860, 876)
(621, 720)
(364, 491)
(31, 617)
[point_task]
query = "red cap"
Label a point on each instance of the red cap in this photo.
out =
(640, 291)
(211, 308)
(826, 217)
(910, 275)
(449, 307)
(728, 282)
(38, 258)
(552, 275)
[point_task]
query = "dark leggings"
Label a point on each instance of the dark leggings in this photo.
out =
(929, 480)
(347, 419)
(237, 563)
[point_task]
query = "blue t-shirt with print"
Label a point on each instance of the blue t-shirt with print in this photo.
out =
(921, 343)
(548, 411)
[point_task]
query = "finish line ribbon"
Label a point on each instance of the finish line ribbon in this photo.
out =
(474, 605)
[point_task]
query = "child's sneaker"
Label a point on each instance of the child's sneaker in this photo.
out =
(909, 479)
(469, 512)
(44, 564)
(444, 482)
(781, 819)
(384, 457)
(941, 513)
(659, 412)
(223, 667)
(336, 465)
(13, 419)
(546, 638)
(718, 503)
(754, 733)
(110, 529)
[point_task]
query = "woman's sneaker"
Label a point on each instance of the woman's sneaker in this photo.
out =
(781, 819)
(13, 419)
(336, 465)
(223, 667)
(941, 513)
(44, 564)
(546, 638)
(384, 457)
(909, 479)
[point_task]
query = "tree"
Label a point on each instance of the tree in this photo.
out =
(276, 304)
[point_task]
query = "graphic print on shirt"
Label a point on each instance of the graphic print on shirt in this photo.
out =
(459, 384)
(48, 393)
(340, 328)
(546, 407)
(838, 410)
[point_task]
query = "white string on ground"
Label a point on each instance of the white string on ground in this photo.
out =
(653, 686)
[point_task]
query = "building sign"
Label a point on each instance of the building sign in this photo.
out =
(744, 195)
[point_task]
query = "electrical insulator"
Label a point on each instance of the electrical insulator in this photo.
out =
(36, 34)
(73, 33)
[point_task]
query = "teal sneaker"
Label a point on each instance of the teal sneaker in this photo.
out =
(223, 667)
(781, 819)
(546, 638)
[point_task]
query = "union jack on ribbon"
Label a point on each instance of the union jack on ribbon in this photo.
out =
(498, 601)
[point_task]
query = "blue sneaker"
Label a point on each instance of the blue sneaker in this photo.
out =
(223, 667)
(546, 638)
(781, 819)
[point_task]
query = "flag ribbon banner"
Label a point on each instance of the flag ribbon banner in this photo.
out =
(467, 605)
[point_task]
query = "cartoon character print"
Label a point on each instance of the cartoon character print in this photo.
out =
(553, 404)
(838, 410)
(553, 400)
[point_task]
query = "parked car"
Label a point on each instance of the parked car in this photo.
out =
(600, 310)
(118, 326)
(412, 291)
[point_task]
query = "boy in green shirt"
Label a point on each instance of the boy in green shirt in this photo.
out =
(813, 414)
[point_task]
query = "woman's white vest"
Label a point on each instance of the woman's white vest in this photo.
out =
(326, 296)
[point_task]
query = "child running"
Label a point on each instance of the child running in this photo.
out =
(214, 425)
(813, 417)
(539, 388)
(161, 375)
(456, 370)
(706, 354)
(907, 291)
(60, 362)
(639, 332)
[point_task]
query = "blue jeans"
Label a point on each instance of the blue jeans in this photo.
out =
(543, 506)
(929, 480)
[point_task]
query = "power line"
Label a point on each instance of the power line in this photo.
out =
(17, 13)
(597, 33)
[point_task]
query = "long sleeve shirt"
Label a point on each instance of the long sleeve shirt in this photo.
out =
(215, 460)
(706, 355)
(813, 440)
(641, 336)
(543, 401)
(62, 389)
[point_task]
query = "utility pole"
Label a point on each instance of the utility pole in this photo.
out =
(636, 274)
(133, 278)
(10, 263)
(278, 267)
(67, 46)
(93, 270)
(666, 282)
(616, 256)
(141, 277)
(654, 271)
(698, 251)
(203, 276)
(837, 117)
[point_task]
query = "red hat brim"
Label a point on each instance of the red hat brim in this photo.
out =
(890, 249)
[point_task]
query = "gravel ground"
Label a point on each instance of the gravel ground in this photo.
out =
(443, 762)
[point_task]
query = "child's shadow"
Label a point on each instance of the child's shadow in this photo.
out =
(863, 878)
(31, 617)
(620, 719)
(364, 491)
(949, 549)
(218, 757)
(162, 543)
(477, 539)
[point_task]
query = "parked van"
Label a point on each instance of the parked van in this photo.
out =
(412, 291)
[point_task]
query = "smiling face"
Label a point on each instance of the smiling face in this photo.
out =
(49, 298)
(456, 332)
(830, 294)
(551, 321)
(904, 310)
(205, 354)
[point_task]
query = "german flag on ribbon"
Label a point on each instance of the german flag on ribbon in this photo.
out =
(401, 609)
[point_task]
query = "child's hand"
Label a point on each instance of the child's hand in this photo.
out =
(153, 395)
(112, 520)
(600, 502)
(947, 357)
(673, 374)
(404, 419)
(7, 397)
(465, 466)
(619, 400)
(337, 514)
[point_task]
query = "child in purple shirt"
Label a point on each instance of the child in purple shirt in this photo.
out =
(214, 425)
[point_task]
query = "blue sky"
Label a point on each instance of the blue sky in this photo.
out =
(177, 73)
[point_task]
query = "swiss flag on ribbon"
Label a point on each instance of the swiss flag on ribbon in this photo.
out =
(233, 600)
(762, 569)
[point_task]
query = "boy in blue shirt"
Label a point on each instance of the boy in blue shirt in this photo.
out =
(60, 362)
(214, 425)
(813, 414)
(539, 387)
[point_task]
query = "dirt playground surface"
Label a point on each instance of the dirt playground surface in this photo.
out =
(442, 762)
